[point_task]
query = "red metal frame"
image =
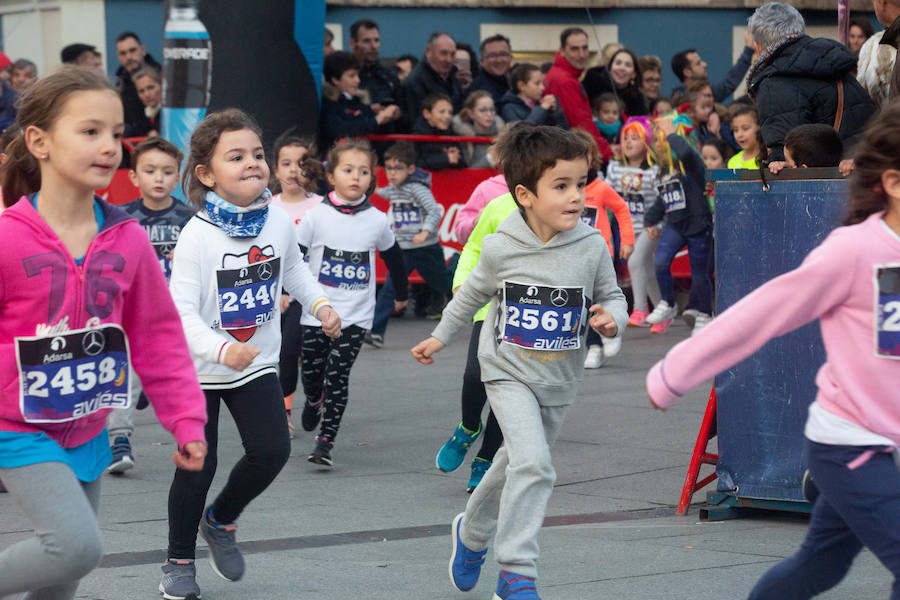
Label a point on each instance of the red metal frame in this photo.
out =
(700, 457)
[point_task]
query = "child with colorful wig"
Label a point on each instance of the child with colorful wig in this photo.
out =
(632, 175)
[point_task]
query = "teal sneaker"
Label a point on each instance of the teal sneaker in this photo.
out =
(453, 453)
(479, 468)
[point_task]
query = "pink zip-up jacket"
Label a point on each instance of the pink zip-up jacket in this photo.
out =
(837, 284)
(119, 282)
(483, 193)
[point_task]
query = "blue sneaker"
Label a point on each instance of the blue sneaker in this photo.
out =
(511, 586)
(479, 468)
(465, 564)
(453, 453)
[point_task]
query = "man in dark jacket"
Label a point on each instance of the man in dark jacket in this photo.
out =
(381, 82)
(690, 68)
(133, 57)
(794, 80)
(496, 60)
(434, 75)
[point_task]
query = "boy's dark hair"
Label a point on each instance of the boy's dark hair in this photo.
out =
(521, 73)
(814, 145)
(497, 37)
(155, 143)
(680, 62)
(607, 97)
(403, 152)
(362, 24)
(564, 36)
(412, 59)
(339, 62)
(527, 150)
(432, 99)
(70, 53)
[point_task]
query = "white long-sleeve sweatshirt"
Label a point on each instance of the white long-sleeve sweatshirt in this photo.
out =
(227, 290)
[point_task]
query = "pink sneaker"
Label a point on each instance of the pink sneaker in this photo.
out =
(661, 327)
(638, 318)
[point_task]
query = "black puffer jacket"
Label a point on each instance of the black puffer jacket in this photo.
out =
(797, 85)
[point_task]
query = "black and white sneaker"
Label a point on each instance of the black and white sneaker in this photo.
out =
(810, 489)
(122, 459)
(321, 454)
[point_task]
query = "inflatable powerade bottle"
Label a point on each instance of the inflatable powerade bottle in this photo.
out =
(187, 73)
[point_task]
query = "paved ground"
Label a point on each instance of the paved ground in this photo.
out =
(377, 526)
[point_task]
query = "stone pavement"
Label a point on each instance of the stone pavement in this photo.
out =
(376, 527)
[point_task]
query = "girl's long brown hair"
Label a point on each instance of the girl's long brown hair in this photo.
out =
(41, 106)
(203, 146)
(879, 152)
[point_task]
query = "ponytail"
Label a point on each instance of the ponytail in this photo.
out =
(20, 174)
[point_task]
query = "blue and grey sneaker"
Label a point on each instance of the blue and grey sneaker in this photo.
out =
(225, 557)
(511, 586)
(465, 564)
(122, 459)
(479, 468)
(179, 580)
(453, 453)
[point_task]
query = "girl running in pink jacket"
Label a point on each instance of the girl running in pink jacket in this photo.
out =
(851, 283)
(81, 297)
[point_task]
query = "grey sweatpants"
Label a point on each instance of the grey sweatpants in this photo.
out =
(643, 273)
(512, 498)
(67, 544)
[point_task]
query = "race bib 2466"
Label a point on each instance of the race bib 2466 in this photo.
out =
(345, 269)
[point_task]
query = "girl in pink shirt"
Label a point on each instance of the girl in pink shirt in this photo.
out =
(851, 283)
(296, 173)
(82, 297)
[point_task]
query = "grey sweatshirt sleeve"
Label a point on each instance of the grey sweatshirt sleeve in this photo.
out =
(608, 294)
(477, 290)
(430, 207)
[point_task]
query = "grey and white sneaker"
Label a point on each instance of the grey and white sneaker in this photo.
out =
(662, 312)
(179, 580)
(700, 322)
(689, 316)
(594, 359)
(225, 557)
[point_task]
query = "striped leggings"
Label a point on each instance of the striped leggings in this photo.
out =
(326, 368)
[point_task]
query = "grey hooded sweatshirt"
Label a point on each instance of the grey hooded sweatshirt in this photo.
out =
(539, 294)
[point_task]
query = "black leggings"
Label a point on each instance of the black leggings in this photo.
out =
(291, 340)
(474, 398)
(326, 366)
(257, 408)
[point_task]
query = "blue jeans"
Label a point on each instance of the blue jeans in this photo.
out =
(857, 507)
(699, 254)
(429, 262)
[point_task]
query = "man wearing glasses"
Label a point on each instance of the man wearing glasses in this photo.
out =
(496, 61)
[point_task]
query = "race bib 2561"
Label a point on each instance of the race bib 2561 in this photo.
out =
(542, 317)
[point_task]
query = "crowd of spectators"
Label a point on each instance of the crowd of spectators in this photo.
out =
(791, 78)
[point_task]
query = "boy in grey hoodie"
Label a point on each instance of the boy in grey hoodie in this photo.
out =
(547, 277)
(415, 216)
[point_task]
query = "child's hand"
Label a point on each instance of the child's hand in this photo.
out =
(713, 123)
(423, 350)
(654, 232)
(400, 305)
(331, 322)
(776, 166)
(602, 322)
(666, 126)
(285, 302)
(420, 237)
(846, 166)
(656, 406)
(626, 251)
(190, 457)
(453, 155)
(239, 356)
(548, 102)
